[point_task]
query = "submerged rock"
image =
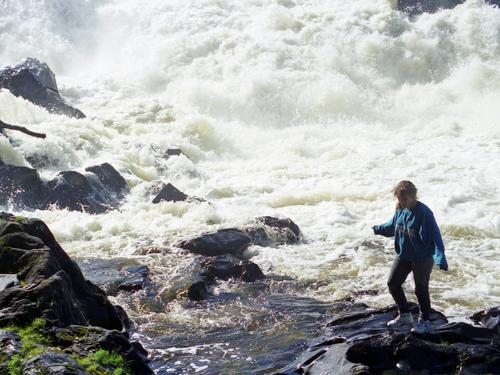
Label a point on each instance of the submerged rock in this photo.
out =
(78, 318)
(196, 280)
(34, 81)
(359, 342)
(271, 231)
(116, 275)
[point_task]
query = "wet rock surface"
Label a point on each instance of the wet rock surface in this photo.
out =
(116, 275)
(224, 241)
(265, 231)
(97, 191)
(78, 317)
(357, 341)
(35, 81)
(222, 267)
(272, 231)
(170, 193)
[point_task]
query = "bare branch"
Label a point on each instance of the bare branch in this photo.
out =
(21, 129)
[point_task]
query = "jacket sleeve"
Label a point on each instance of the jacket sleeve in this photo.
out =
(431, 236)
(386, 229)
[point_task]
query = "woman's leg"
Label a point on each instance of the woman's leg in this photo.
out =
(421, 275)
(399, 272)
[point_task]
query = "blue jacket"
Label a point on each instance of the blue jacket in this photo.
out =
(417, 235)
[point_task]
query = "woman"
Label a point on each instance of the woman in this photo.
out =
(418, 245)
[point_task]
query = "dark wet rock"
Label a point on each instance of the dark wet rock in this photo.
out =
(224, 241)
(52, 364)
(79, 317)
(57, 290)
(266, 231)
(34, 81)
(174, 152)
(226, 267)
(95, 193)
(21, 187)
(269, 231)
(223, 267)
(72, 190)
(199, 276)
(415, 7)
(109, 178)
(98, 191)
(358, 341)
(170, 193)
(489, 318)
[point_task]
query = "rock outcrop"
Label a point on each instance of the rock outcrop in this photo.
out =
(78, 319)
(34, 81)
(357, 341)
(100, 189)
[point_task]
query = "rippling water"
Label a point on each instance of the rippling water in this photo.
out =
(307, 109)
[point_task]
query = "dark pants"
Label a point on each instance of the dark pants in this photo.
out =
(421, 274)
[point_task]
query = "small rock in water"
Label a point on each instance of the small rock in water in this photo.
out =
(170, 193)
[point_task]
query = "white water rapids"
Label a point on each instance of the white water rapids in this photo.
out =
(308, 109)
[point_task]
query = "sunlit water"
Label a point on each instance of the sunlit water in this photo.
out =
(311, 110)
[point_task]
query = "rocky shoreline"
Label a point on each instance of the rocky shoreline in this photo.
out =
(356, 340)
(52, 320)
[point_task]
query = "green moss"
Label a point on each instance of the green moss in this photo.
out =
(19, 219)
(104, 362)
(15, 365)
(33, 343)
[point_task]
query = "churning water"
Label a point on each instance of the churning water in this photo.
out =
(308, 109)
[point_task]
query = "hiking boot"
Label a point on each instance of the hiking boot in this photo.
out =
(423, 326)
(404, 319)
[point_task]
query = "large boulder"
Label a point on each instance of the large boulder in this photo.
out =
(54, 287)
(78, 319)
(100, 189)
(358, 341)
(34, 81)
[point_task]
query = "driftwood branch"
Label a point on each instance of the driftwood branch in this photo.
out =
(21, 129)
